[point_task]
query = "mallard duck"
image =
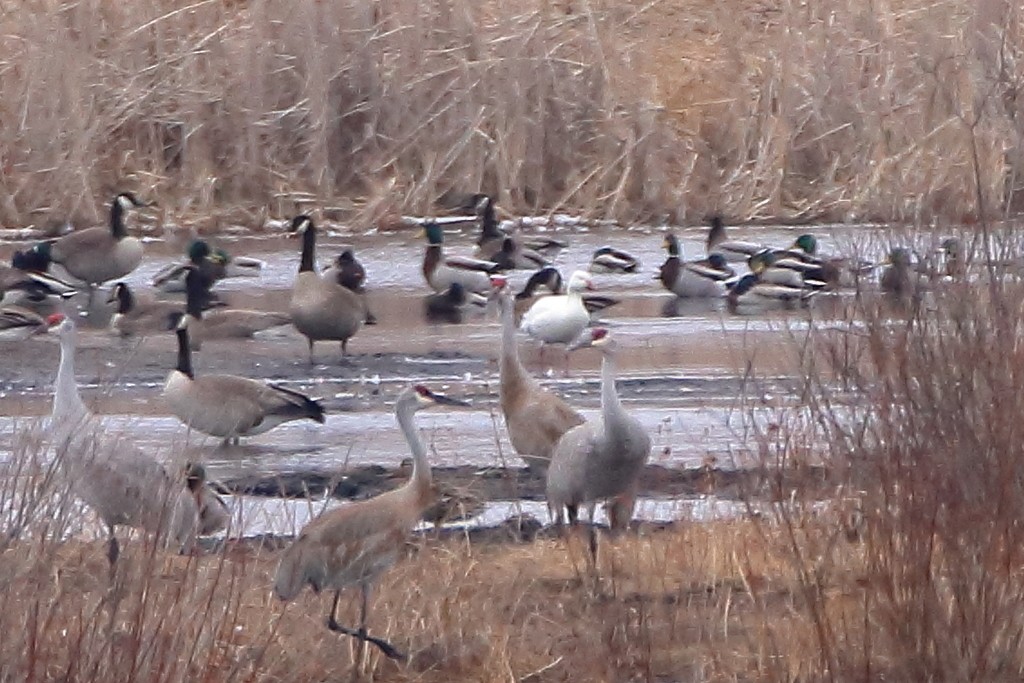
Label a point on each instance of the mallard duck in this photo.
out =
(213, 264)
(608, 259)
(141, 317)
(36, 291)
(530, 252)
(348, 272)
(702, 279)
(453, 305)
(718, 242)
(750, 294)
(513, 256)
(214, 515)
(899, 280)
(222, 323)
(18, 324)
(228, 406)
(952, 252)
(97, 255)
(835, 271)
(322, 310)
(791, 272)
(440, 272)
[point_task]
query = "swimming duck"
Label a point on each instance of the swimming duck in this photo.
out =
(704, 278)
(749, 294)
(36, 291)
(899, 280)
(608, 259)
(718, 242)
(835, 271)
(440, 272)
(213, 264)
(791, 272)
(513, 256)
(321, 309)
(141, 316)
(18, 324)
(452, 305)
(97, 255)
(492, 238)
(348, 272)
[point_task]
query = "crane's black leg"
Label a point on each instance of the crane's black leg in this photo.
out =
(113, 551)
(310, 351)
(384, 646)
(592, 533)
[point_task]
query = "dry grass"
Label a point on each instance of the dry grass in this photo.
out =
(900, 110)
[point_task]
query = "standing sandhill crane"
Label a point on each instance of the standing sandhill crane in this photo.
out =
(536, 419)
(354, 544)
(120, 482)
(600, 459)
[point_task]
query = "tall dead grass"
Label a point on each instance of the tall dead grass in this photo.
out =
(837, 110)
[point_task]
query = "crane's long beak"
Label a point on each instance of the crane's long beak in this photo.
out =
(443, 400)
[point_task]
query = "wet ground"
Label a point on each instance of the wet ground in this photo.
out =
(681, 373)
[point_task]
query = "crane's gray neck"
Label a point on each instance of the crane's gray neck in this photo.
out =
(511, 368)
(420, 481)
(611, 407)
(67, 403)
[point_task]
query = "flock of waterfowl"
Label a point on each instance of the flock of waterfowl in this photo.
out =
(585, 462)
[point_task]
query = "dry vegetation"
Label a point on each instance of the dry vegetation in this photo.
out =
(912, 570)
(898, 110)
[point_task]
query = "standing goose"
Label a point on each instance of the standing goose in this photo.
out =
(137, 317)
(97, 255)
(321, 309)
(733, 250)
(228, 406)
(348, 272)
(535, 418)
(600, 459)
(559, 319)
(122, 483)
(440, 272)
(354, 544)
(549, 278)
(703, 279)
(18, 324)
(222, 323)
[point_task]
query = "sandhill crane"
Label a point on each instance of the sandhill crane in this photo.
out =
(352, 545)
(120, 482)
(600, 459)
(536, 419)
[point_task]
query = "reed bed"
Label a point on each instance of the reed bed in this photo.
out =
(227, 111)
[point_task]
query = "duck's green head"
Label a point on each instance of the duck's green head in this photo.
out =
(198, 250)
(435, 237)
(807, 244)
(718, 261)
(761, 261)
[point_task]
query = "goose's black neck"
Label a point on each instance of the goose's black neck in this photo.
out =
(125, 300)
(117, 225)
(194, 293)
(489, 222)
(184, 355)
(308, 248)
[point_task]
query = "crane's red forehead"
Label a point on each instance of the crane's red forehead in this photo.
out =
(599, 333)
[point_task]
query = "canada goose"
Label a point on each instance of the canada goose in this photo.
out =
(321, 309)
(354, 544)
(97, 255)
(222, 323)
(700, 279)
(608, 259)
(535, 418)
(718, 242)
(348, 272)
(599, 459)
(440, 272)
(122, 483)
(135, 317)
(228, 406)
(18, 324)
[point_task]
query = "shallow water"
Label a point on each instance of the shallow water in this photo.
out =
(680, 363)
